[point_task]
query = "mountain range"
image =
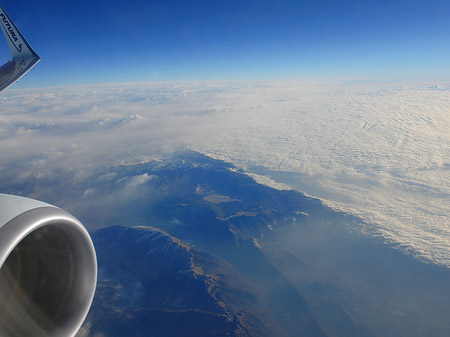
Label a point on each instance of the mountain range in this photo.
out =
(190, 246)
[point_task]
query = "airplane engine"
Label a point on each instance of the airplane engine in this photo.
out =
(48, 270)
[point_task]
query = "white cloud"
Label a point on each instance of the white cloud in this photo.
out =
(136, 181)
(379, 150)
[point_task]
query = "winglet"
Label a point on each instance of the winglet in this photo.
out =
(23, 56)
(20, 48)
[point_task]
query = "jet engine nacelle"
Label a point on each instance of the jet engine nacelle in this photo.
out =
(48, 270)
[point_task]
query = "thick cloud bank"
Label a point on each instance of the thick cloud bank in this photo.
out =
(379, 150)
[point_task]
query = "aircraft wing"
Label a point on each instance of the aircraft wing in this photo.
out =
(23, 56)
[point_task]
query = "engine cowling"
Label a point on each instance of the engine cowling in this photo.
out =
(48, 270)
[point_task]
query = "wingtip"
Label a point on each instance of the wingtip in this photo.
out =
(23, 56)
(17, 43)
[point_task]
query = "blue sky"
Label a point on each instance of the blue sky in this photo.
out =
(135, 40)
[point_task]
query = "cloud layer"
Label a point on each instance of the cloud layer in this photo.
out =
(379, 150)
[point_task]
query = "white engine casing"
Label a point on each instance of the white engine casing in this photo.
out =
(48, 270)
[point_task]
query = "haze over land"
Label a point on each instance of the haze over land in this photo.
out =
(272, 263)
(379, 150)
